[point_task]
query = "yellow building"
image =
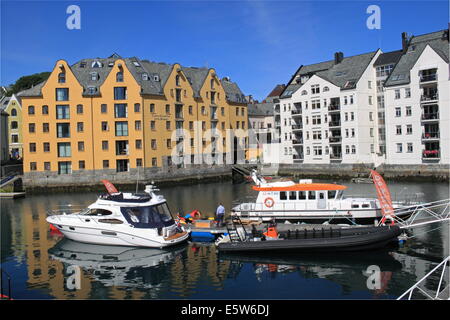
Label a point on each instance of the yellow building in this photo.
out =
(11, 105)
(114, 115)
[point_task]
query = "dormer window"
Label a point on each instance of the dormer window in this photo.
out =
(82, 64)
(119, 76)
(111, 64)
(325, 89)
(92, 90)
(145, 76)
(62, 77)
(304, 93)
(94, 76)
(155, 77)
(177, 80)
(96, 64)
(136, 63)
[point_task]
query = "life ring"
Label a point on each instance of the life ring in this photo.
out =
(268, 202)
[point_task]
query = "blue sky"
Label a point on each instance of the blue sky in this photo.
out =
(257, 43)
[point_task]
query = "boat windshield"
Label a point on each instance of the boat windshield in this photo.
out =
(157, 216)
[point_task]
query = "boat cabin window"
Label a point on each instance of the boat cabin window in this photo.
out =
(283, 195)
(148, 217)
(321, 195)
(293, 195)
(365, 205)
(355, 205)
(331, 194)
(311, 195)
(301, 195)
(96, 212)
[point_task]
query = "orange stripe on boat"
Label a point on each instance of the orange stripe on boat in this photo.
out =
(303, 187)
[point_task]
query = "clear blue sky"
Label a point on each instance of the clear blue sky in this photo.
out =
(257, 43)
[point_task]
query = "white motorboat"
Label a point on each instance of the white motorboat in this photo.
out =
(308, 202)
(123, 219)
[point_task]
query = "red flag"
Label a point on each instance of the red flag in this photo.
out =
(110, 187)
(384, 196)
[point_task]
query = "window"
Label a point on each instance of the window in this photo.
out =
(398, 112)
(139, 162)
(408, 111)
(94, 76)
(347, 149)
(44, 109)
(45, 127)
(13, 112)
(137, 125)
(105, 145)
(372, 148)
(152, 125)
(105, 126)
(169, 144)
(345, 100)
(351, 100)
(168, 125)
(122, 165)
(122, 147)
(398, 130)
(311, 195)
(152, 107)
(353, 149)
(317, 135)
(80, 145)
(371, 132)
(92, 90)
(80, 109)
(63, 130)
(46, 146)
(283, 195)
(120, 110)
(104, 108)
(397, 94)
(31, 110)
(81, 165)
(399, 148)
(137, 107)
(384, 70)
(14, 138)
(64, 149)
(120, 93)
(408, 129)
(153, 143)
(31, 128)
(369, 84)
(316, 120)
(315, 89)
(121, 128)
(62, 77)
(315, 104)
(33, 166)
(62, 94)
(105, 164)
(32, 147)
(409, 147)
(370, 100)
(138, 144)
(119, 76)
(407, 93)
(317, 150)
(352, 116)
(371, 116)
(154, 162)
(353, 132)
(80, 126)
(62, 112)
(326, 89)
(47, 166)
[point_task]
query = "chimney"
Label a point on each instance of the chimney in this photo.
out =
(404, 41)
(338, 57)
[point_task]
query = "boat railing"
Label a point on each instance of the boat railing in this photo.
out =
(69, 213)
(423, 213)
(442, 291)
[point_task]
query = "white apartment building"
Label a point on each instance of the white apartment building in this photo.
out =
(417, 103)
(370, 108)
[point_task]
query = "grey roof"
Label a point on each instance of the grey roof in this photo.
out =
(4, 102)
(388, 58)
(344, 74)
(438, 41)
(157, 72)
(260, 109)
(234, 94)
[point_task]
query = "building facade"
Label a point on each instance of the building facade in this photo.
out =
(11, 105)
(371, 108)
(115, 115)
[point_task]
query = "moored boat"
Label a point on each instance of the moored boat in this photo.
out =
(123, 219)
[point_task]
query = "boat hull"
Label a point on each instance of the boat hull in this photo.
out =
(350, 239)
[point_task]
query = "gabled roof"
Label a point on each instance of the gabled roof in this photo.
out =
(388, 58)
(277, 91)
(196, 77)
(34, 91)
(344, 74)
(233, 92)
(438, 41)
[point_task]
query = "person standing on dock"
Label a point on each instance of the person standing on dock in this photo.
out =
(220, 213)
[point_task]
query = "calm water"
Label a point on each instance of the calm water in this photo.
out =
(43, 265)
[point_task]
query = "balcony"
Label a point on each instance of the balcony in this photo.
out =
(297, 141)
(431, 155)
(335, 139)
(334, 108)
(336, 157)
(430, 136)
(428, 77)
(298, 157)
(296, 112)
(429, 97)
(334, 124)
(297, 127)
(430, 116)
(277, 124)
(214, 116)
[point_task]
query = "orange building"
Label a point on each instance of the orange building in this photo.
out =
(111, 116)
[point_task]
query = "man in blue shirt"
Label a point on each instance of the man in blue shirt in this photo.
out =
(220, 213)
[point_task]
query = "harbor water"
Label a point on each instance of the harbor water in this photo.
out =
(44, 265)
